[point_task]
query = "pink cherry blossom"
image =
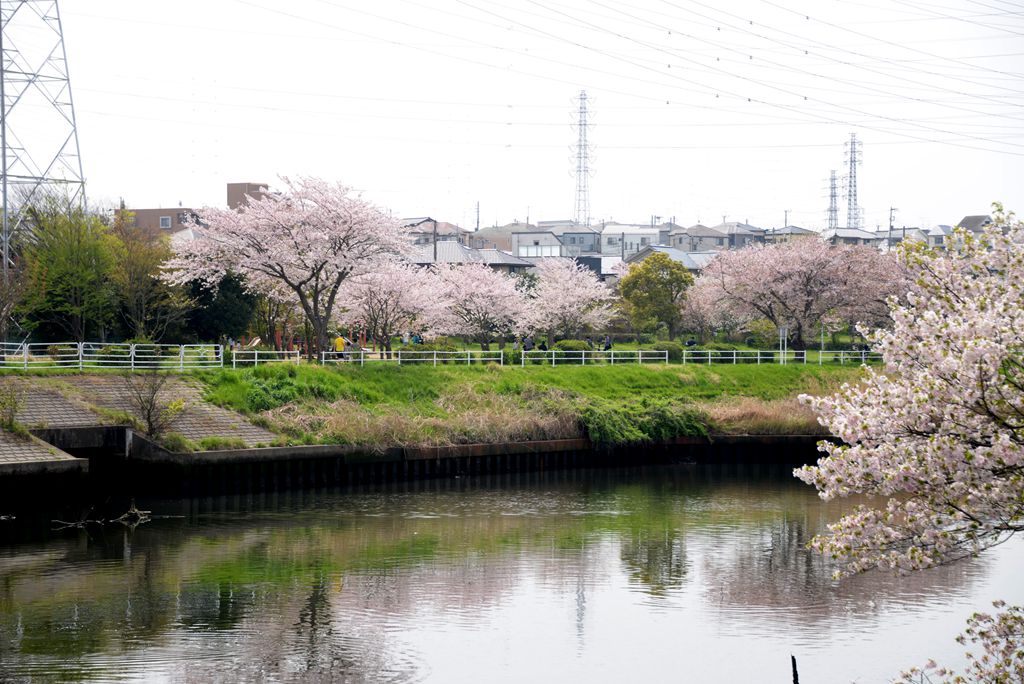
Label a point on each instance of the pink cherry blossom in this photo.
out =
(802, 284)
(568, 297)
(304, 241)
(393, 298)
(478, 302)
(938, 434)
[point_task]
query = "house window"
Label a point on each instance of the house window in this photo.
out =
(720, 241)
(643, 240)
(165, 222)
(611, 241)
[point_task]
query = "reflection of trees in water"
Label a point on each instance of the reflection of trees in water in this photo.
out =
(767, 565)
(656, 559)
(272, 578)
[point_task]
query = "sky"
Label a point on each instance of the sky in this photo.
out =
(697, 110)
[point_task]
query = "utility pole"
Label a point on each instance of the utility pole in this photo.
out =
(785, 221)
(833, 201)
(582, 153)
(854, 218)
(478, 215)
(35, 86)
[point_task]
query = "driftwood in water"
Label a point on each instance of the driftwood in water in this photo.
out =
(133, 516)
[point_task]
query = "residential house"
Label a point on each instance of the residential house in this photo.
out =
(740, 234)
(975, 224)
(536, 243)
(886, 240)
(697, 238)
(605, 267)
(625, 239)
(693, 261)
(787, 233)
(495, 237)
(937, 235)
(424, 230)
(849, 236)
(451, 252)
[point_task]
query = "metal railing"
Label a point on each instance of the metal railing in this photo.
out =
(91, 355)
(82, 355)
(596, 356)
(405, 356)
(759, 356)
(254, 357)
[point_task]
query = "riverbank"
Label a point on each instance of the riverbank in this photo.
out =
(436, 406)
(282, 426)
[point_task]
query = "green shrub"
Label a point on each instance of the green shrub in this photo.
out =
(674, 349)
(571, 345)
(512, 356)
(265, 394)
(56, 350)
(216, 442)
(177, 443)
(443, 345)
(716, 346)
(569, 351)
(640, 421)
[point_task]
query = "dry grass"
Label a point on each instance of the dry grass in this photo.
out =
(467, 418)
(750, 416)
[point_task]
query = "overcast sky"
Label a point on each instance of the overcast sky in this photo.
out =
(430, 106)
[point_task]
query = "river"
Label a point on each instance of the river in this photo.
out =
(687, 573)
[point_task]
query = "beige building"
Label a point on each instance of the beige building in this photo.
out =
(239, 193)
(165, 220)
(172, 220)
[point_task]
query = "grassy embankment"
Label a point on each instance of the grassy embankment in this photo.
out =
(391, 406)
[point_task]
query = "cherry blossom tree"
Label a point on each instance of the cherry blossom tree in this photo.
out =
(939, 433)
(801, 283)
(700, 311)
(305, 240)
(568, 297)
(389, 299)
(477, 301)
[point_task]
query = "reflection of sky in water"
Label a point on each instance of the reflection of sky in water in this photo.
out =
(684, 574)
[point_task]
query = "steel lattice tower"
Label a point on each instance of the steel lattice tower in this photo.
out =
(582, 157)
(833, 201)
(853, 156)
(38, 137)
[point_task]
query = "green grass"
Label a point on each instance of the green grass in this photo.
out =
(388, 405)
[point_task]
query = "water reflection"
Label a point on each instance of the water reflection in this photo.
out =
(426, 581)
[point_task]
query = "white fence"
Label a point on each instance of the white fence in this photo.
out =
(404, 356)
(90, 355)
(254, 357)
(555, 357)
(82, 355)
(780, 357)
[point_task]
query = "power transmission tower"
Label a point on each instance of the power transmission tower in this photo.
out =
(582, 157)
(854, 219)
(833, 201)
(38, 137)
